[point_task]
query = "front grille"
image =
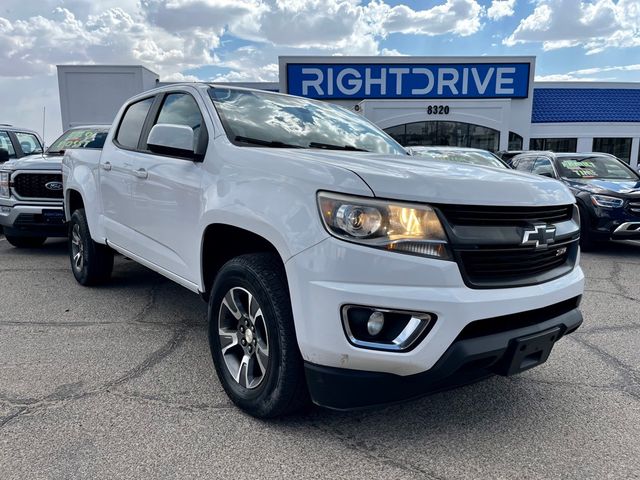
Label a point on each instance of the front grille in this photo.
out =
(487, 243)
(33, 185)
(503, 267)
(633, 207)
(481, 215)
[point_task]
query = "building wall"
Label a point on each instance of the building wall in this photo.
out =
(502, 114)
(92, 94)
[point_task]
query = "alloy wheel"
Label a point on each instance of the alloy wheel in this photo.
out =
(244, 340)
(77, 248)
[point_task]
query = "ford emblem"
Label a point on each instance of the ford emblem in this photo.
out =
(55, 186)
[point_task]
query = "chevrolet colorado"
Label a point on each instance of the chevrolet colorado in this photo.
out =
(336, 267)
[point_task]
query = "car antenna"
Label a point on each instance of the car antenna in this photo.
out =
(44, 115)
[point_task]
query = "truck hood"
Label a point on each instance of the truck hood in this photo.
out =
(40, 161)
(414, 179)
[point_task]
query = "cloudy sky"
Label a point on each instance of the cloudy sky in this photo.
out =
(241, 39)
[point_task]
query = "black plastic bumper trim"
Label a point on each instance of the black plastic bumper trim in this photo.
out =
(465, 361)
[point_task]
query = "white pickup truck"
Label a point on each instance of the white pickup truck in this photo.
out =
(337, 268)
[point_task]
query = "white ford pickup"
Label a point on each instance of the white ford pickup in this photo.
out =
(337, 268)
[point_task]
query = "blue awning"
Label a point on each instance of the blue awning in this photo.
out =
(585, 105)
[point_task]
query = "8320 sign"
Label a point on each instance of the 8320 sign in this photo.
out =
(438, 110)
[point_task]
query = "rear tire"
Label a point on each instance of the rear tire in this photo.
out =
(91, 262)
(252, 337)
(26, 242)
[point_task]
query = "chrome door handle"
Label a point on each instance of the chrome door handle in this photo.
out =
(141, 173)
(106, 166)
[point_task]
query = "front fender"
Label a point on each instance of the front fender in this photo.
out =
(80, 174)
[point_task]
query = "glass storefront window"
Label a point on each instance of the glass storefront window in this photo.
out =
(515, 141)
(452, 134)
(619, 147)
(397, 133)
(559, 145)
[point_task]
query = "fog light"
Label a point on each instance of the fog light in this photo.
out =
(375, 323)
(385, 329)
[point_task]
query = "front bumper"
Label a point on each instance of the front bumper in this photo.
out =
(468, 359)
(45, 220)
(334, 273)
(617, 224)
(627, 231)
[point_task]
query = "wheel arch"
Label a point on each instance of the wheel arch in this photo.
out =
(237, 241)
(73, 201)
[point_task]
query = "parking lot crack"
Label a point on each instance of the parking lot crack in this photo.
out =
(155, 399)
(6, 419)
(631, 384)
(150, 303)
(71, 392)
(373, 452)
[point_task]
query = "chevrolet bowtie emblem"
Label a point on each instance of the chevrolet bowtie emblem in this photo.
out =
(539, 236)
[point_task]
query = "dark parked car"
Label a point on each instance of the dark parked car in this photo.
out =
(607, 191)
(473, 156)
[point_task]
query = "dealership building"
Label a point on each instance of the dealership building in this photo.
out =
(484, 102)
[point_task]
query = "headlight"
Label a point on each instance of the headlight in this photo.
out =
(606, 202)
(4, 184)
(395, 226)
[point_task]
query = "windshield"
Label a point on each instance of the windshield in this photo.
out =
(79, 138)
(471, 157)
(262, 119)
(595, 166)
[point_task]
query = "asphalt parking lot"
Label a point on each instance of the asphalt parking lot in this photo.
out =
(117, 382)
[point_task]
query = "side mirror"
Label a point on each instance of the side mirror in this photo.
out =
(170, 139)
(546, 174)
(4, 155)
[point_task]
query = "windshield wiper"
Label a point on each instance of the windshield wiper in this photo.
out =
(266, 143)
(329, 146)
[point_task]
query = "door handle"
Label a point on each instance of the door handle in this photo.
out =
(106, 166)
(141, 173)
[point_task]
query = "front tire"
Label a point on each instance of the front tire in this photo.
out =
(26, 242)
(252, 337)
(91, 262)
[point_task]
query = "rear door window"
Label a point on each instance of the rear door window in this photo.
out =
(5, 144)
(132, 123)
(525, 164)
(543, 166)
(29, 143)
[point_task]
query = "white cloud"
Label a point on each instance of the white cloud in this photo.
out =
(586, 74)
(617, 68)
(461, 17)
(34, 46)
(595, 25)
(500, 9)
(562, 77)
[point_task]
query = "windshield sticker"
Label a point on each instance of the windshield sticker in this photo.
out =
(575, 165)
(78, 139)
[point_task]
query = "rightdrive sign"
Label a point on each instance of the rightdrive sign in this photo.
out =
(402, 80)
